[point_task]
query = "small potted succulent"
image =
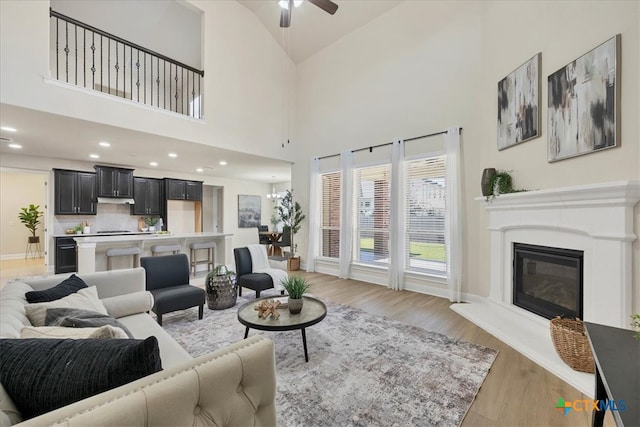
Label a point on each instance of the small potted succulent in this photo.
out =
(151, 222)
(295, 286)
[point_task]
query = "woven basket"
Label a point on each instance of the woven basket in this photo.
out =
(572, 344)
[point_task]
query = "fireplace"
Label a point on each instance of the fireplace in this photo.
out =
(548, 281)
(597, 219)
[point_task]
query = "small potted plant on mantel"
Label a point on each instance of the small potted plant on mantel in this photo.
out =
(295, 286)
(30, 217)
(291, 216)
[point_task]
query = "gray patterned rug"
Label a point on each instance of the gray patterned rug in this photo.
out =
(363, 370)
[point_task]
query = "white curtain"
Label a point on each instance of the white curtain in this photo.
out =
(453, 214)
(397, 230)
(346, 213)
(314, 214)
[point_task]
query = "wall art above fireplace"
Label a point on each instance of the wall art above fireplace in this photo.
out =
(583, 101)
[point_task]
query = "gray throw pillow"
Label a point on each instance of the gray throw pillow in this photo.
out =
(78, 318)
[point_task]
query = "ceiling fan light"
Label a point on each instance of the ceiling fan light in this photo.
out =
(284, 4)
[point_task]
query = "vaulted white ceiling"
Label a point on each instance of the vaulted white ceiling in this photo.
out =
(312, 29)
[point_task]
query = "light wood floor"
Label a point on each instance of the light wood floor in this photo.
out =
(516, 392)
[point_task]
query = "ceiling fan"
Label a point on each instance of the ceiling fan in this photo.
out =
(287, 5)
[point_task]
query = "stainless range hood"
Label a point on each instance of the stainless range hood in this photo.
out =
(116, 201)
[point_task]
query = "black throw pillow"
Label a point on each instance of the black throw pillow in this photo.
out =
(41, 375)
(68, 286)
(79, 318)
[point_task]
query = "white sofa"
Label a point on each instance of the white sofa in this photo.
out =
(234, 386)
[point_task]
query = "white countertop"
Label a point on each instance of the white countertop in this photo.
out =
(100, 238)
(128, 233)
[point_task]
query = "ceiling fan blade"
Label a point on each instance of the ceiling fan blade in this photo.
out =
(285, 18)
(326, 5)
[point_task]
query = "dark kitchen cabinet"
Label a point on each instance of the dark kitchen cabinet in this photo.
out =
(66, 255)
(75, 192)
(178, 189)
(147, 194)
(114, 182)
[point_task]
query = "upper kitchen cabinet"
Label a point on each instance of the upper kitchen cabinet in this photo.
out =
(147, 194)
(75, 192)
(178, 189)
(114, 182)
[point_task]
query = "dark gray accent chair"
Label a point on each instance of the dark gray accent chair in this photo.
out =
(167, 278)
(244, 276)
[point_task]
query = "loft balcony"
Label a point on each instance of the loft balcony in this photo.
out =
(91, 58)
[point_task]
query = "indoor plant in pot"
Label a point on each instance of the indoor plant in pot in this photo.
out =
(151, 222)
(291, 216)
(295, 287)
(30, 217)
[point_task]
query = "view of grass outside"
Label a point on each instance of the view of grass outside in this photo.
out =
(419, 250)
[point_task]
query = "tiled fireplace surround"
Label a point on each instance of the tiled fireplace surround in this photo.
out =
(596, 219)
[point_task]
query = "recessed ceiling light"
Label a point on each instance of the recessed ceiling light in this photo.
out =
(15, 146)
(153, 163)
(223, 163)
(199, 170)
(94, 156)
(104, 144)
(173, 155)
(9, 129)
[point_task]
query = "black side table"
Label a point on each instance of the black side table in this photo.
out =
(617, 357)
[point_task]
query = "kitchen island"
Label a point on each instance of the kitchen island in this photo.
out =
(92, 248)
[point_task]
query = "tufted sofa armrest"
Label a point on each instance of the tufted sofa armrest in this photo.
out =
(233, 386)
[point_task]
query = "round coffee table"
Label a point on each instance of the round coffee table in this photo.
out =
(313, 311)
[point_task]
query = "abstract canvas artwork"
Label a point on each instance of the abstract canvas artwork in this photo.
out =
(518, 101)
(583, 103)
(249, 208)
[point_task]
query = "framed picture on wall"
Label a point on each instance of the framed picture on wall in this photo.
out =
(584, 113)
(249, 211)
(518, 104)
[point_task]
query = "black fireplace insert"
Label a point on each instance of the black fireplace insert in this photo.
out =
(548, 281)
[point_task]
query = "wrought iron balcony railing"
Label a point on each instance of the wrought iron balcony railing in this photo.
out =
(94, 59)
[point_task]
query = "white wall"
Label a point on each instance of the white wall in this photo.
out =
(170, 28)
(247, 77)
(425, 66)
(18, 190)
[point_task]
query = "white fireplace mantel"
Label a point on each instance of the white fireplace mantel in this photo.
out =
(596, 219)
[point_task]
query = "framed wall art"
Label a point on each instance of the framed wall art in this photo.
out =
(249, 208)
(518, 104)
(584, 113)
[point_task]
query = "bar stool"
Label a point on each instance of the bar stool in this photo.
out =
(210, 247)
(173, 248)
(113, 252)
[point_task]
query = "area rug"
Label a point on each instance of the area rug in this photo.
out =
(363, 370)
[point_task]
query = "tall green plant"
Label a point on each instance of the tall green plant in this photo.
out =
(291, 215)
(30, 217)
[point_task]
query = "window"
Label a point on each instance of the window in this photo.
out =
(425, 209)
(330, 215)
(372, 192)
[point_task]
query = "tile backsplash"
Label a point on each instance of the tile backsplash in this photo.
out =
(108, 217)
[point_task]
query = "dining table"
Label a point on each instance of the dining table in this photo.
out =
(274, 237)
